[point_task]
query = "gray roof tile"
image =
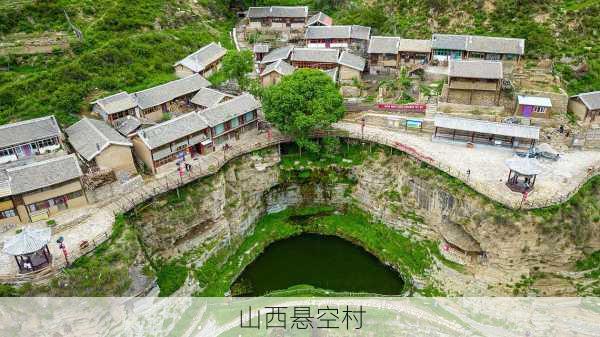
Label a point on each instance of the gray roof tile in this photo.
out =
(499, 45)
(89, 137)
(278, 12)
(172, 130)
(320, 18)
(208, 97)
(413, 45)
(449, 41)
(42, 174)
(203, 57)
(487, 44)
(338, 32)
(383, 45)
(232, 108)
(127, 125)
(28, 131)
(170, 90)
(325, 55)
(281, 67)
(352, 61)
(282, 53)
(591, 99)
(116, 103)
(475, 69)
(474, 125)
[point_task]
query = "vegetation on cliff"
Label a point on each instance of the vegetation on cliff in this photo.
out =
(126, 45)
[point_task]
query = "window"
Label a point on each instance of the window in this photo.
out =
(74, 195)
(219, 129)
(442, 52)
(9, 213)
(234, 123)
(38, 206)
(249, 116)
(7, 152)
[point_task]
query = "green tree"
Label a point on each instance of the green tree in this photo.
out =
(237, 65)
(301, 103)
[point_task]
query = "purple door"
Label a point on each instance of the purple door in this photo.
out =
(527, 110)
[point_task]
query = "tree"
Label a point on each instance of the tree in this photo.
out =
(301, 103)
(237, 65)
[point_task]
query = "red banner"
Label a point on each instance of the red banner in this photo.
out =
(412, 107)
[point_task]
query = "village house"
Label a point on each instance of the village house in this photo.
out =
(29, 138)
(171, 97)
(354, 37)
(277, 17)
(278, 54)
(128, 126)
(317, 58)
(586, 105)
(484, 132)
(205, 61)
(207, 98)
(260, 50)
(351, 67)
(230, 119)
(533, 106)
(273, 72)
(388, 53)
(115, 107)
(474, 82)
(37, 190)
(446, 47)
(319, 19)
(101, 147)
(182, 137)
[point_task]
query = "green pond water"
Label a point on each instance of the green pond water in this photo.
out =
(326, 262)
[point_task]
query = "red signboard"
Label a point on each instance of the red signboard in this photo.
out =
(412, 107)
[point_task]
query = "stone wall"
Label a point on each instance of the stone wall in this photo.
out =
(114, 190)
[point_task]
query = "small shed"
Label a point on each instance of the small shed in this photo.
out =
(30, 249)
(522, 174)
(533, 106)
(585, 105)
(260, 50)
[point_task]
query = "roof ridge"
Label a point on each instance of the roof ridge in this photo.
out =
(27, 121)
(163, 84)
(37, 163)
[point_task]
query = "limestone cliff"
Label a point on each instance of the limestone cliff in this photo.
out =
(499, 247)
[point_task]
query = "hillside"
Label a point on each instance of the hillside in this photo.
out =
(129, 45)
(126, 45)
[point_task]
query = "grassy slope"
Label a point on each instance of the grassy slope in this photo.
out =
(128, 45)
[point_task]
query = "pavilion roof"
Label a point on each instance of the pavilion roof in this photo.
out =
(524, 166)
(30, 240)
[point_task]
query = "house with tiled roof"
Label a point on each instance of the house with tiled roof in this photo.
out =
(228, 120)
(277, 17)
(273, 72)
(205, 61)
(319, 19)
(354, 36)
(351, 67)
(388, 53)
(585, 105)
(181, 138)
(447, 47)
(34, 190)
(474, 82)
(29, 138)
(317, 58)
(100, 146)
(115, 106)
(171, 97)
(207, 98)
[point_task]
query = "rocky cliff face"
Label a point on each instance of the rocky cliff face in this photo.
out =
(498, 246)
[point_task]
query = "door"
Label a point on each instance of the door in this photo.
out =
(527, 110)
